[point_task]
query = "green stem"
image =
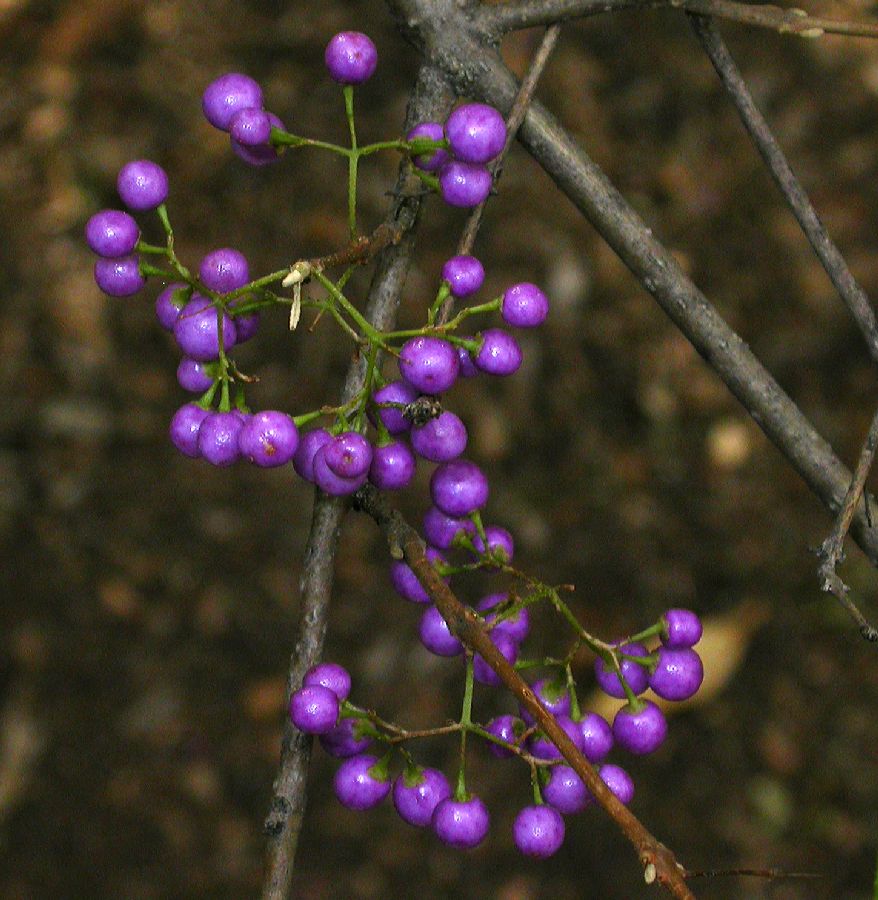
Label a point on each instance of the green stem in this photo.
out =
(373, 335)
(353, 160)
(466, 721)
(280, 138)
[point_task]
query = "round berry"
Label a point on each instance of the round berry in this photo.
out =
(462, 824)
(111, 233)
(435, 635)
(538, 831)
(552, 694)
(193, 376)
(142, 184)
(619, 782)
(348, 455)
(635, 675)
(433, 131)
(250, 127)
(524, 306)
(399, 392)
(499, 353)
(416, 795)
(482, 672)
(224, 270)
(476, 133)
(499, 541)
(440, 530)
(303, 459)
(314, 709)
(393, 466)
(331, 483)
(458, 488)
(343, 741)
(269, 438)
(428, 364)
(543, 748)
(260, 154)
(169, 303)
(228, 94)
(196, 330)
(678, 673)
(440, 439)
(640, 731)
(682, 628)
(516, 626)
(596, 736)
(406, 583)
(566, 791)
(464, 274)
(184, 429)
(357, 785)
(464, 184)
(508, 728)
(119, 277)
(350, 57)
(329, 675)
(218, 438)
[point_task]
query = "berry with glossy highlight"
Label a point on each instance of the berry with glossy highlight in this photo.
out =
(112, 233)
(462, 824)
(476, 133)
(417, 794)
(269, 438)
(357, 786)
(142, 184)
(314, 709)
(350, 57)
(227, 95)
(538, 831)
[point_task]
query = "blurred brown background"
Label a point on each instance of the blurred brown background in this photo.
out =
(149, 602)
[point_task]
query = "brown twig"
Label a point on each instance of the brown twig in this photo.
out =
(657, 860)
(362, 249)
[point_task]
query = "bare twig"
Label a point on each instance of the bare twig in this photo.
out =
(430, 98)
(512, 16)
(657, 860)
(833, 262)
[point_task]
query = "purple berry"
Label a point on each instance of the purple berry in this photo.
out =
(224, 270)
(468, 368)
(508, 728)
(192, 376)
(196, 330)
(440, 530)
(482, 672)
(393, 466)
(184, 429)
(303, 459)
(476, 133)
(406, 583)
(596, 736)
(554, 696)
(429, 162)
(462, 824)
(391, 417)
(440, 439)
(636, 675)
(435, 635)
(350, 57)
(416, 795)
(348, 454)
(218, 438)
(543, 748)
(516, 626)
(169, 303)
(428, 364)
(357, 786)
(269, 438)
(142, 185)
(111, 233)
(118, 277)
(538, 831)
(458, 488)
(500, 543)
(228, 94)
(640, 731)
(331, 483)
(464, 184)
(499, 354)
(246, 325)
(260, 154)
(464, 274)
(682, 628)
(250, 127)
(524, 306)
(329, 675)
(314, 709)
(678, 673)
(619, 782)
(566, 791)
(342, 742)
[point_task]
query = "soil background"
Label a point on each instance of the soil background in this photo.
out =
(149, 603)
